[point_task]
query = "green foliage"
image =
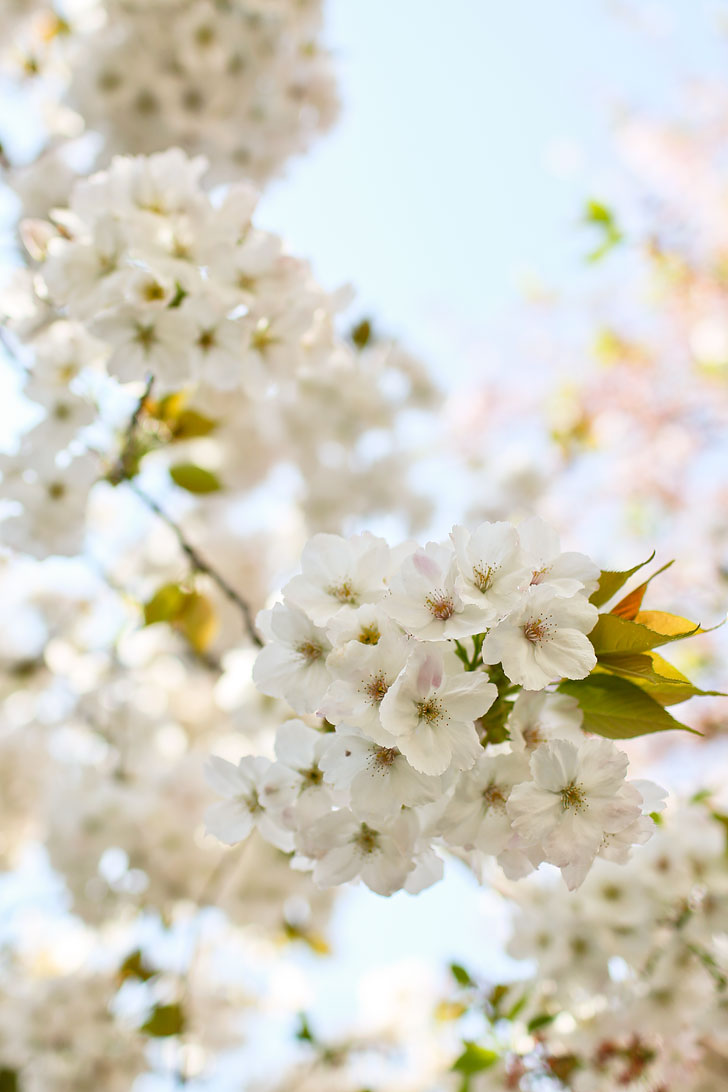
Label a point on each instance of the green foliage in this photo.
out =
(195, 479)
(474, 1059)
(133, 967)
(610, 581)
(542, 1020)
(460, 975)
(362, 333)
(630, 686)
(617, 708)
(9, 1080)
(187, 610)
(165, 1021)
(601, 217)
(613, 634)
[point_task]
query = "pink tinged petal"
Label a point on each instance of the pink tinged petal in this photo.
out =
(426, 566)
(430, 674)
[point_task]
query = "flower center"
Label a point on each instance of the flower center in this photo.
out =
(429, 710)
(440, 606)
(376, 688)
(343, 593)
(535, 630)
(366, 839)
(312, 776)
(309, 650)
(573, 796)
(532, 736)
(493, 797)
(369, 635)
(385, 756)
(483, 577)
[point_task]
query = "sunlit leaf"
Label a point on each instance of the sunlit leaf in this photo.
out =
(617, 708)
(657, 676)
(474, 1059)
(629, 606)
(164, 1021)
(134, 967)
(195, 479)
(165, 604)
(614, 634)
(610, 581)
(197, 621)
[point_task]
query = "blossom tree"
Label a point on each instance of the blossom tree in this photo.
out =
(197, 413)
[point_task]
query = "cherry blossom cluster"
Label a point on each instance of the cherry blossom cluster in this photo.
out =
(146, 279)
(628, 989)
(246, 83)
(433, 669)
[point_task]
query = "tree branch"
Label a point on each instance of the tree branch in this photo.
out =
(199, 564)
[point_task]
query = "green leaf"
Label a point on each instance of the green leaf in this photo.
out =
(602, 218)
(135, 967)
(631, 604)
(541, 1021)
(361, 334)
(671, 627)
(657, 676)
(164, 1021)
(190, 424)
(9, 1080)
(618, 709)
(195, 479)
(474, 1059)
(460, 975)
(614, 634)
(303, 1032)
(611, 581)
(197, 621)
(165, 604)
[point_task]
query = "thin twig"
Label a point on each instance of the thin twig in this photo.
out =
(199, 564)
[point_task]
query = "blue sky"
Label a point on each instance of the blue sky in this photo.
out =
(437, 189)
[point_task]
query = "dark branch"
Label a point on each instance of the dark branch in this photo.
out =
(199, 564)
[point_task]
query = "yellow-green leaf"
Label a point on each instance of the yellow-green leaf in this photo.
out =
(611, 581)
(191, 424)
(135, 967)
(657, 676)
(614, 634)
(165, 604)
(474, 1059)
(617, 708)
(165, 1020)
(629, 606)
(197, 621)
(195, 479)
(671, 627)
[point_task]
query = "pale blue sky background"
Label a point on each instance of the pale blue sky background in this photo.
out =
(436, 190)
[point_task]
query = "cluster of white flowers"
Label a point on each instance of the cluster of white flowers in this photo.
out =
(145, 277)
(405, 653)
(245, 82)
(628, 988)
